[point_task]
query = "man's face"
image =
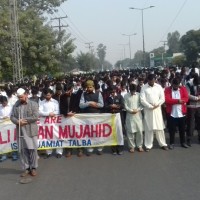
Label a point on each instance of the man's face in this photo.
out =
(48, 96)
(141, 82)
(151, 82)
(133, 92)
(123, 88)
(113, 93)
(175, 87)
(4, 103)
(90, 88)
(114, 78)
(23, 98)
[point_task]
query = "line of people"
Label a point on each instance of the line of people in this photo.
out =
(148, 102)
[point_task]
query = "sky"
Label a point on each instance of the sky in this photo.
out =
(105, 21)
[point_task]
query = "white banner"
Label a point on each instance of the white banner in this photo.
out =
(81, 130)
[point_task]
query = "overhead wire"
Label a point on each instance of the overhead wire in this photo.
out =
(72, 32)
(173, 21)
(69, 18)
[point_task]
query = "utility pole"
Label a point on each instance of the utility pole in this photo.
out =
(124, 48)
(15, 43)
(89, 45)
(59, 23)
(61, 43)
(129, 42)
(164, 44)
(143, 43)
(90, 50)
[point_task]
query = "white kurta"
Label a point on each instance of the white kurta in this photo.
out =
(153, 119)
(133, 121)
(5, 111)
(150, 96)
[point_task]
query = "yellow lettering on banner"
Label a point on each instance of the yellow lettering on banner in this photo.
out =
(114, 133)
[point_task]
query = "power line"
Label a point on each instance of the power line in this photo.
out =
(69, 18)
(71, 30)
(178, 13)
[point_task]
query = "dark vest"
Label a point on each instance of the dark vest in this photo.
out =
(192, 92)
(91, 97)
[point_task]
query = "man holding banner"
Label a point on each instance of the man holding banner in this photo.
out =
(50, 107)
(91, 102)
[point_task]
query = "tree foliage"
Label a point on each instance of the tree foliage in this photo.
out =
(107, 65)
(43, 49)
(190, 44)
(179, 60)
(5, 47)
(87, 61)
(41, 6)
(173, 41)
(101, 52)
(158, 51)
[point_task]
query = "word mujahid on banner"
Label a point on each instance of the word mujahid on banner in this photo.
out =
(81, 130)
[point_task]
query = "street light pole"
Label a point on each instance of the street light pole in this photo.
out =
(124, 50)
(129, 41)
(143, 43)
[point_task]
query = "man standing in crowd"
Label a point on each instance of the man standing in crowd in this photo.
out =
(152, 97)
(25, 115)
(5, 111)
(115, 104)
(134, 124)
(193, 114)
(91, 102)
(68, 108)
(50, 107)
(176, 98)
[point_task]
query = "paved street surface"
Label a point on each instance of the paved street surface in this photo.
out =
(156, 175)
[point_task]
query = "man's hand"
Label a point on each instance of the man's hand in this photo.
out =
(134, 111)
(51, 114)
(115, 106)
(70, 114)
(181, 101)
(93, 104)
(155, 106)
(23, 122)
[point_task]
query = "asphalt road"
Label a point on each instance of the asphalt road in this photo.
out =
(156, 175)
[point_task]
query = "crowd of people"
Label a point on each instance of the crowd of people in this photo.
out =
(150, 102)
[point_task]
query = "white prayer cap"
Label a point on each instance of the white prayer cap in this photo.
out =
(20, 91)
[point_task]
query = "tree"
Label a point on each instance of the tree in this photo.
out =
(41, 6)
(39, 46)
(173, 41)
(179, 60)
(190, 44)
(87, 61)
(138, 58)
(66, 48)
(43, 49)
(126, 63)
(101, 52)
(107, 65)
(158, 51)
(5, 47)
